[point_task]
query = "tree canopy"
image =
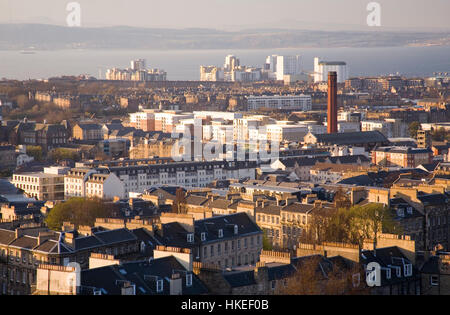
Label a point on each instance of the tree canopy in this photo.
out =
(352, 225)
(78, 211)
(413, 128)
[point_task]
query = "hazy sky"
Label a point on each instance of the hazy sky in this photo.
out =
(233, 14)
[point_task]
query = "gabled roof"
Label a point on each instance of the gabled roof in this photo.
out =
(433, 199)
(89, 126)
(226, 223)
(298, 207)
(142, 274)
(240, 278)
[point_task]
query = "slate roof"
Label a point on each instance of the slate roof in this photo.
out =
(311, 161)
(89, 126)
(363, 137)
(431, 266)
(388, 256)
(211, 226)
(142, 274)
(433, 199)
(298, 207)
(103, 238)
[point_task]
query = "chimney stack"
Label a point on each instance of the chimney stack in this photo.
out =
(332, 125)
(176, 284)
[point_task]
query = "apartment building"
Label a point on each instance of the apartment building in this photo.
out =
(280, 102)
(167, 120)
(47, 136)
(166, 275)
(285, 132)
(401, 156)
(46, 185)
(104, 186)
(247, 128)
(22, 250)
(225, 241)
(143, 120)
(74, 181)
(7, 157)
(390, 127)
(138, 178)
(87, 131)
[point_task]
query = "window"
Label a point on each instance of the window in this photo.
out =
(205, 252)
(220, 233)
(159, 286)
(190, 238)
(203, 236)
(189, 279)
(408, 270)
(236, 229)
(434, 280)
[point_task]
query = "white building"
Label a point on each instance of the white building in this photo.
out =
(231, 62)
(314, 127)
(74, 182)
(281, 133)
(211, 73)
(46, 185)
(347, 126)
(283, 102)
(138, 64)
(321, 69)
(284, 65)
(138, 178)
(217, 115)
(104, 186)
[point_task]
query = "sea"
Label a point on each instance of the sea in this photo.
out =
(184, 65)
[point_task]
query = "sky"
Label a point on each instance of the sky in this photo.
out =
(414, 15)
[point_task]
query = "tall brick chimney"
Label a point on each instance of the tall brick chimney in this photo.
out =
(332, 103)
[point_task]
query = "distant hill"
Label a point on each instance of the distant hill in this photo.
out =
(43, 37)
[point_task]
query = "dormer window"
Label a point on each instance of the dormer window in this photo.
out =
(203, 236)
(400, 212)
(236, 229)
(398, 271)
(220, 233)
(388, 273)
(159, 286)
(190, 238)
(409, 210)
(408, 270)
(189, 280)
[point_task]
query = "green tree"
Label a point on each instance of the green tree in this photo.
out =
(267, 244)
(35, 151)
(78, 211)
(59, 154)
(369, 221)
(413, 128)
